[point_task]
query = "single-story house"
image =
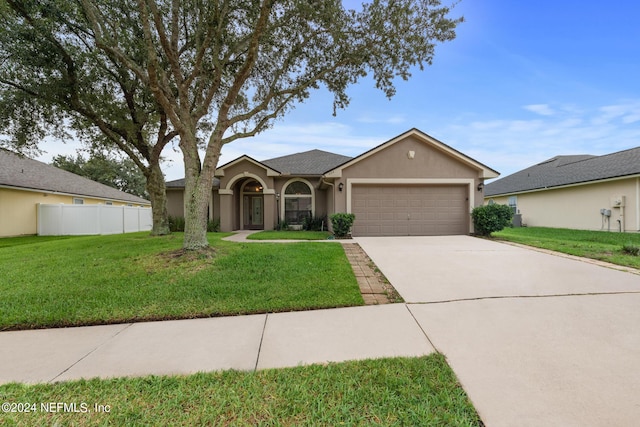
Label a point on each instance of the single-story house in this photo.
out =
(579, 191)
(26, 182)
(412, 184)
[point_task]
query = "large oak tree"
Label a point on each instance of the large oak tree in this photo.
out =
(225, 69)
(55, 80)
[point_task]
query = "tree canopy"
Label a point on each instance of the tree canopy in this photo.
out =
(55, 81)
(226, 69)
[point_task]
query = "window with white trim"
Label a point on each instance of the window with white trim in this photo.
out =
(108, 203)
(298, 202)
(513, 203)
(78, 201)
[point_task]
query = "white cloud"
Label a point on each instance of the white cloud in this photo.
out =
(511, 144)
(541, 109)
(626, 112)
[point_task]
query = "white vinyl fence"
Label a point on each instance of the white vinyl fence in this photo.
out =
(59, 220)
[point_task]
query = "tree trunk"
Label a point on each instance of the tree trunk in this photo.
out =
(157, 190)
(197, 193)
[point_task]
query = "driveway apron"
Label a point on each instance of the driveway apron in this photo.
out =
(535, 339)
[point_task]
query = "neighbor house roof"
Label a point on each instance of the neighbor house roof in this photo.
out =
(23, 173)
(567, 170)
(312, 162)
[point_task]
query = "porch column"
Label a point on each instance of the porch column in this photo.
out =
(269, 209)
(226, 210)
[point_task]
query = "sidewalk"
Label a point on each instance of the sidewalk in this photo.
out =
(189, 346)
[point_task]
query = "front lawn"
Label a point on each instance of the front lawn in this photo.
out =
(600, 245)
(410, 392)
(72, 281)
(289, 235)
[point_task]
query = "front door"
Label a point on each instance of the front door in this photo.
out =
(253, 213)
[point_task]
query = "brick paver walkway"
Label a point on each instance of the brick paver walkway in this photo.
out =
(374, 287)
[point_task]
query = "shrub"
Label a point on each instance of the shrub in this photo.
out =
(490, 218)
(213, 226)
(176, 223)
(311, 223)
(631, 249)
(282, 225)
(341, 223)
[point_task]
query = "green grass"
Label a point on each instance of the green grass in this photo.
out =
(87, 280)
(600, 245)
(289, 235)
(419, 391)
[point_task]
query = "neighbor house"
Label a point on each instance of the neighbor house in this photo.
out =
(580, 192)
(25, 182)
(412, 184)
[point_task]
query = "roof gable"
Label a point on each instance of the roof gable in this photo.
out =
(486, 171)
(24, 173)
(567, 170)
(244, 158)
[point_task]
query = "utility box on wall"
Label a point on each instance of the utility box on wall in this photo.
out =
(617, 201)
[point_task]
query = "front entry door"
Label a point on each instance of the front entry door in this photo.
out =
(253, 213)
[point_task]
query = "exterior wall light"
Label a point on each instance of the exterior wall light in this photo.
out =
(340, 186)
(480, 186)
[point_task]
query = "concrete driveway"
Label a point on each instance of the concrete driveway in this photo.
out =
(535, 339)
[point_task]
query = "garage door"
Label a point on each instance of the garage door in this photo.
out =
(410, 210)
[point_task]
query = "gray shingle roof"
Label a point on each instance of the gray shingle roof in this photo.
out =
(566, 170)
(22, 172)
(179, 183)
(313, 162)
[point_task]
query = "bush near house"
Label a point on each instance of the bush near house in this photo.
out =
(176, 224)
(315, 223)
(491, 218)
(342, 223)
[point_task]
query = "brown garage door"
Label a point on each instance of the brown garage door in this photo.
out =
(410, 210)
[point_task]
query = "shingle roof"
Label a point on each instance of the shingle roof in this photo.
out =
(312, 162)
(566, 170)
(22, 172)
(179, 183)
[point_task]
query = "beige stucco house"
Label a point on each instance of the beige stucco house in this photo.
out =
(412, 184)
(580, 192)
(26, 182)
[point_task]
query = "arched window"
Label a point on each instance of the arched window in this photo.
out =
(298, 202)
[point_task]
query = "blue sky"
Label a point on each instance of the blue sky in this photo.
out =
(522, 82)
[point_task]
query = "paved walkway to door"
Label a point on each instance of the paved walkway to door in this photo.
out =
(535, 339)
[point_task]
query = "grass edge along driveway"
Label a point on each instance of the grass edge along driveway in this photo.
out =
(394, 391)
(89, 280)
(599, 245)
